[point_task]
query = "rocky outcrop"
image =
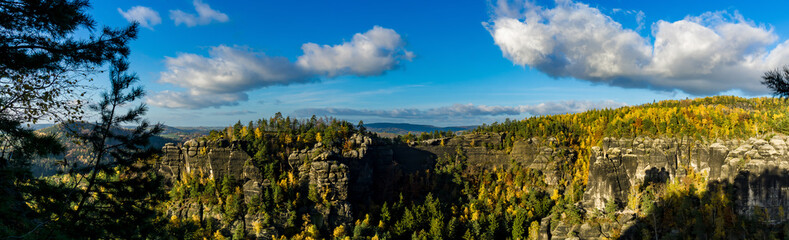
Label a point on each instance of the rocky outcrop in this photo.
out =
(337, 176)
(757, 167)
(212, 159)
(535, 153)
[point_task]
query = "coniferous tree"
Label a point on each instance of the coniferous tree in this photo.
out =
(117, 190)
(519, 225)
(43, 62)
(41, 72)
(19, 145)
(778, 81)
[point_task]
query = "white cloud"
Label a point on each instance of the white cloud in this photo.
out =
(229, 70)
(146, 16)
(205, 14)
(465, 110)
(224, 77)
(236, 113)
(700, 55)
(561, 107)
(370, 53)
(191, 100)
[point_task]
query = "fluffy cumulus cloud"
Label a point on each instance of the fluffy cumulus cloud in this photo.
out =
(224, 76)
(700, 55)
(146, 16)
(465, 110)
(205, 15)
(230, 70)
(367, 54)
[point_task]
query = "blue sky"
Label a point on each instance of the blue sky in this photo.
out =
(212, 63)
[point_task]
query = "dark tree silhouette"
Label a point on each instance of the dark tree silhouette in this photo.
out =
(778, 81)
(43, 67)
(118, 192)
(43, 61)
(38, 35)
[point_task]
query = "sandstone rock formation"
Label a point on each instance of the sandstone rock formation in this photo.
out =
(758, 168)
(755, 166)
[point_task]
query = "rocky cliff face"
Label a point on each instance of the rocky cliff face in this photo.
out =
(337, 176)
(210, 160)
(213, 159)
(757, 167)
(535, 153)
(368, 173)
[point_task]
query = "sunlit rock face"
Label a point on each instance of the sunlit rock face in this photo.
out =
(756, 167)
(213, 159)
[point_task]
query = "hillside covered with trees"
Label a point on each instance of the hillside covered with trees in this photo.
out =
(450, 199)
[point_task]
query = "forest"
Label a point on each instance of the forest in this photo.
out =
(507, 203)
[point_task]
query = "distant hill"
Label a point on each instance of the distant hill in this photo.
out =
(60, 131)
(185, 133)
(404, 128)
(40, 126)
(45, 166)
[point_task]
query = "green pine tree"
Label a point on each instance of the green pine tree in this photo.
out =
(118, 189)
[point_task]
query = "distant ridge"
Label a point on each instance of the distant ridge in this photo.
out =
(405, 128)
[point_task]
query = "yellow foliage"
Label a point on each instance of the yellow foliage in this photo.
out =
(257, 226)
(218, 236)
(291, 178)
(313, 231)
(174, 220)
(534, 230)
(325, 195)
(283, 183)
(555, 196)
(339, 231)
(258, 133)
